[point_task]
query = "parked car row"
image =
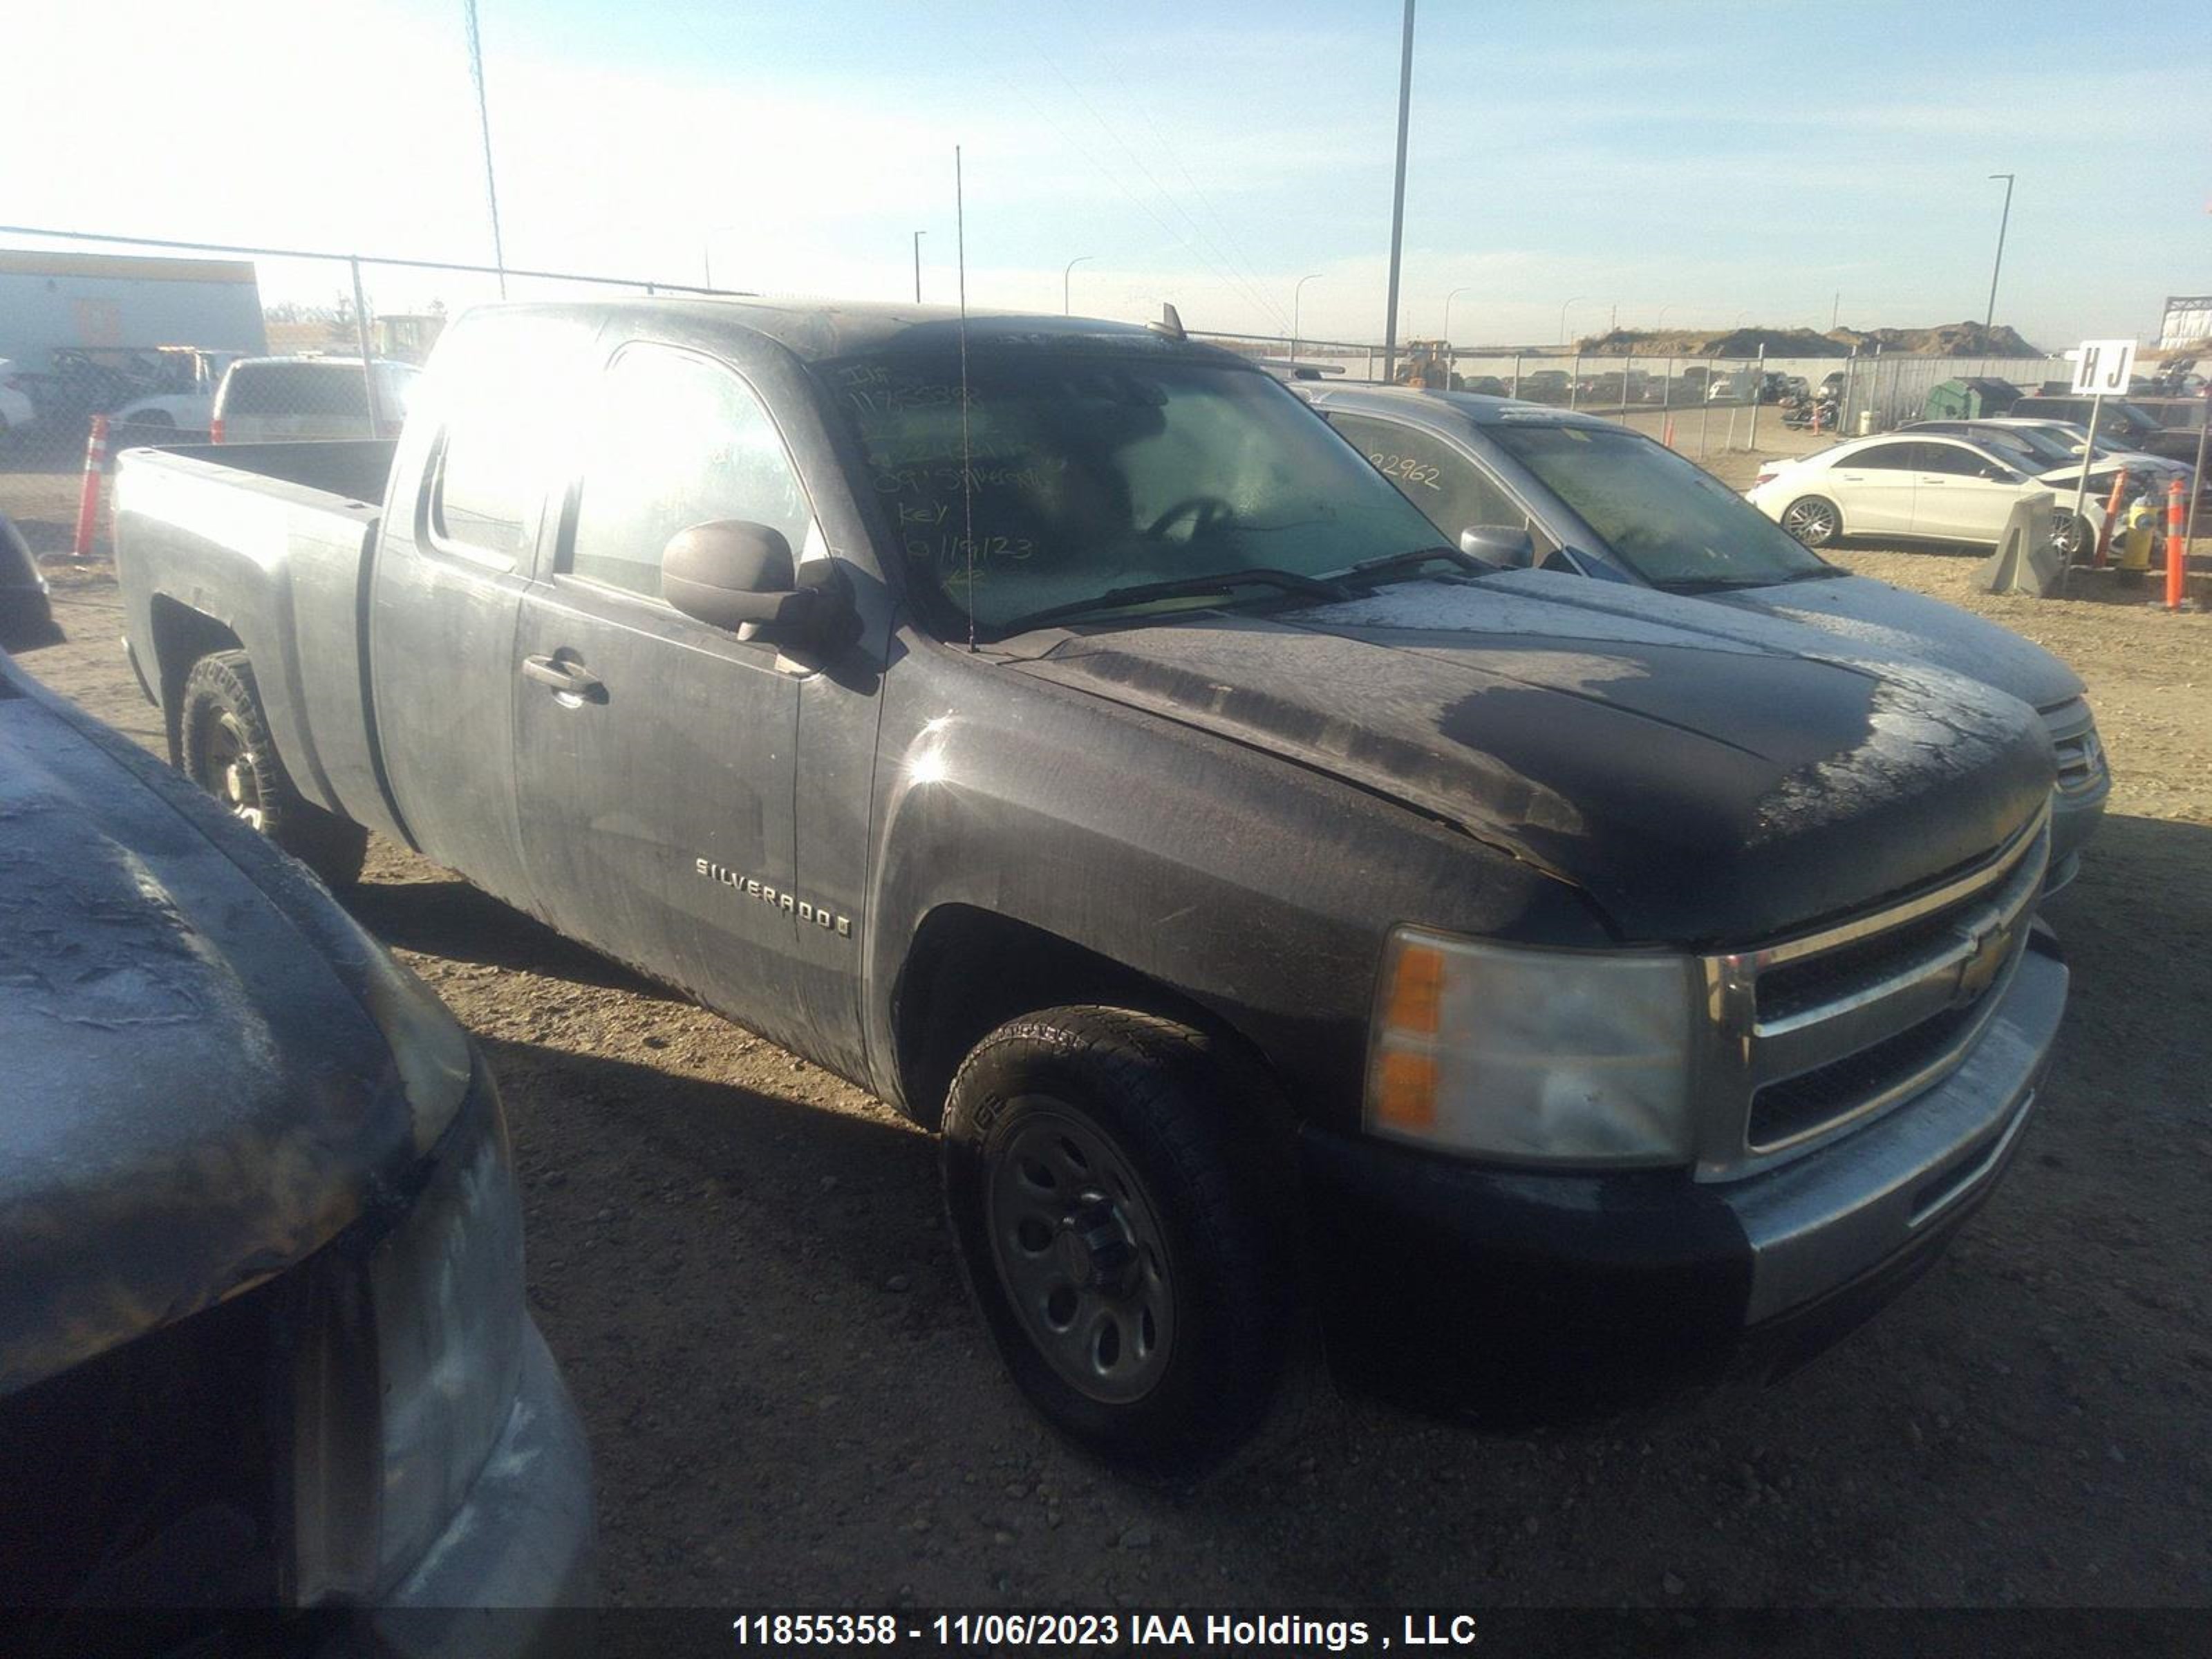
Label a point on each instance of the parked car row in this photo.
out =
(179, 394)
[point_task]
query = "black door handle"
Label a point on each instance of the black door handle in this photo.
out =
(566, 675)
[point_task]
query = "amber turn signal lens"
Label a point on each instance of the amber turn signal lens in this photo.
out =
(1416, 993)
(1406, 1090)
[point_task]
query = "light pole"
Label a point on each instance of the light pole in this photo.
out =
(1296, 294)
(1661, 324)
(1990, 316)
(1065, 277)
(1448, 298)
(1398, 195)
(484, 127)
(707, 251)
(918, 235)
(1577, 300)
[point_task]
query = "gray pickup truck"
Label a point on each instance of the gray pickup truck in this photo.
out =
(1055, 728)
(1591, 497)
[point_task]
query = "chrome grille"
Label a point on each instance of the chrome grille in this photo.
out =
(2074, 742)
(1817, 1033)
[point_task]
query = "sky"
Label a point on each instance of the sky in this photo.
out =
(1697, 162)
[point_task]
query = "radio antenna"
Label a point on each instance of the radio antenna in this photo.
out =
(967, 456)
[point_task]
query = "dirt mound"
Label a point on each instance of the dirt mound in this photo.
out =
(1945, 340)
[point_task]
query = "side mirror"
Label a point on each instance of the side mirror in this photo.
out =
(739, 576)
(1494, 543)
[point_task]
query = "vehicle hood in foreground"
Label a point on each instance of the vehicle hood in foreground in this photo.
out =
(190, 1099)
(1702, 786)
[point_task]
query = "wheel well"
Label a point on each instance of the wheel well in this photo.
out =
(182, 636)
(969, 971)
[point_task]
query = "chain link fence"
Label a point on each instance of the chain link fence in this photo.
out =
(181, 342)
(106, 343)
(1703, 405)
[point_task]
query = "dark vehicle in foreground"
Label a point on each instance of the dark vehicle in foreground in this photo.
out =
(1596, 499)
(27, 610)
(265, 1370)
(1053, 728)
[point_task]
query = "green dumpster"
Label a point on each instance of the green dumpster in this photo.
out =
(1973, 399)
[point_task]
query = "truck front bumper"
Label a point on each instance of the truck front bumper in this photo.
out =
(515, 1572)
(1453, 1286)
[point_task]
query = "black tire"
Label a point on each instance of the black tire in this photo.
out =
(1114, 1183)
(1814, 520)
(227, 751)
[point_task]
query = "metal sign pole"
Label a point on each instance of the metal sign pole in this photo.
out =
(2089, 459)
(2196, 478)
(368, 358)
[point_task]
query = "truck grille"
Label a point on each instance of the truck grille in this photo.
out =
(2074, 740)
(1819, 1032)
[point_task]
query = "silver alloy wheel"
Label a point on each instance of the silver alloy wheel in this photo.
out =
(227, 770)
(1811, 520)
(1079, 1246)
(2069, 535)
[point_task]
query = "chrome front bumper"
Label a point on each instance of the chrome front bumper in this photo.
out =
(1816, 1225)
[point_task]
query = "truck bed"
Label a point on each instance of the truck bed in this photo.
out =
(272, 541)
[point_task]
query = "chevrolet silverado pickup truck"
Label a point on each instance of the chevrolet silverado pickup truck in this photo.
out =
(1055, 728)
(1597, 499)
(268, 1383)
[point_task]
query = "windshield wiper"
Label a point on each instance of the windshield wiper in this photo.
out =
(1718, 583)
(1392, 564)
(1218, 581)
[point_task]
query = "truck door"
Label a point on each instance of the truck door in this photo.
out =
(654, 753)
(456, 547)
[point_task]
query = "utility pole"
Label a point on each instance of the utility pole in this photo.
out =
(1398, 196)
(484, 125)
(918, 235)
(1990, 316)
(1066, 309)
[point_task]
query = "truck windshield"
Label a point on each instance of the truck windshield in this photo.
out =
(1673, 523)
(1093, 471)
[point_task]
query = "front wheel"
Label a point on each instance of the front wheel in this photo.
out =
(1813, 520)
(2071, 537)
(1106, 1176)
(227, 751)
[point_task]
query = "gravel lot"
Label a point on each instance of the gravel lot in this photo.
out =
(739, 1260)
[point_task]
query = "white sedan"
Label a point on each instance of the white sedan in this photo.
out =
(16, 410)
(1909, 488)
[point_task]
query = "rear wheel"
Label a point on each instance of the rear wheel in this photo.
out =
(1813, 520)
(2072, 536)
(229, 753)
(1107, 1179)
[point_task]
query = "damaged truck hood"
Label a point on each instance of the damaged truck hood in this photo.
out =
(191, 1100)
(1715, 782)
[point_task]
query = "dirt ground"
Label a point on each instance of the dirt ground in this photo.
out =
(738, 1261)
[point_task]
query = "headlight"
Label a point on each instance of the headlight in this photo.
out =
(1532, 1056)
(446, 1299)
(427, 1042)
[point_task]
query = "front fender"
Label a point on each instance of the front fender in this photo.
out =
(1243, 884)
